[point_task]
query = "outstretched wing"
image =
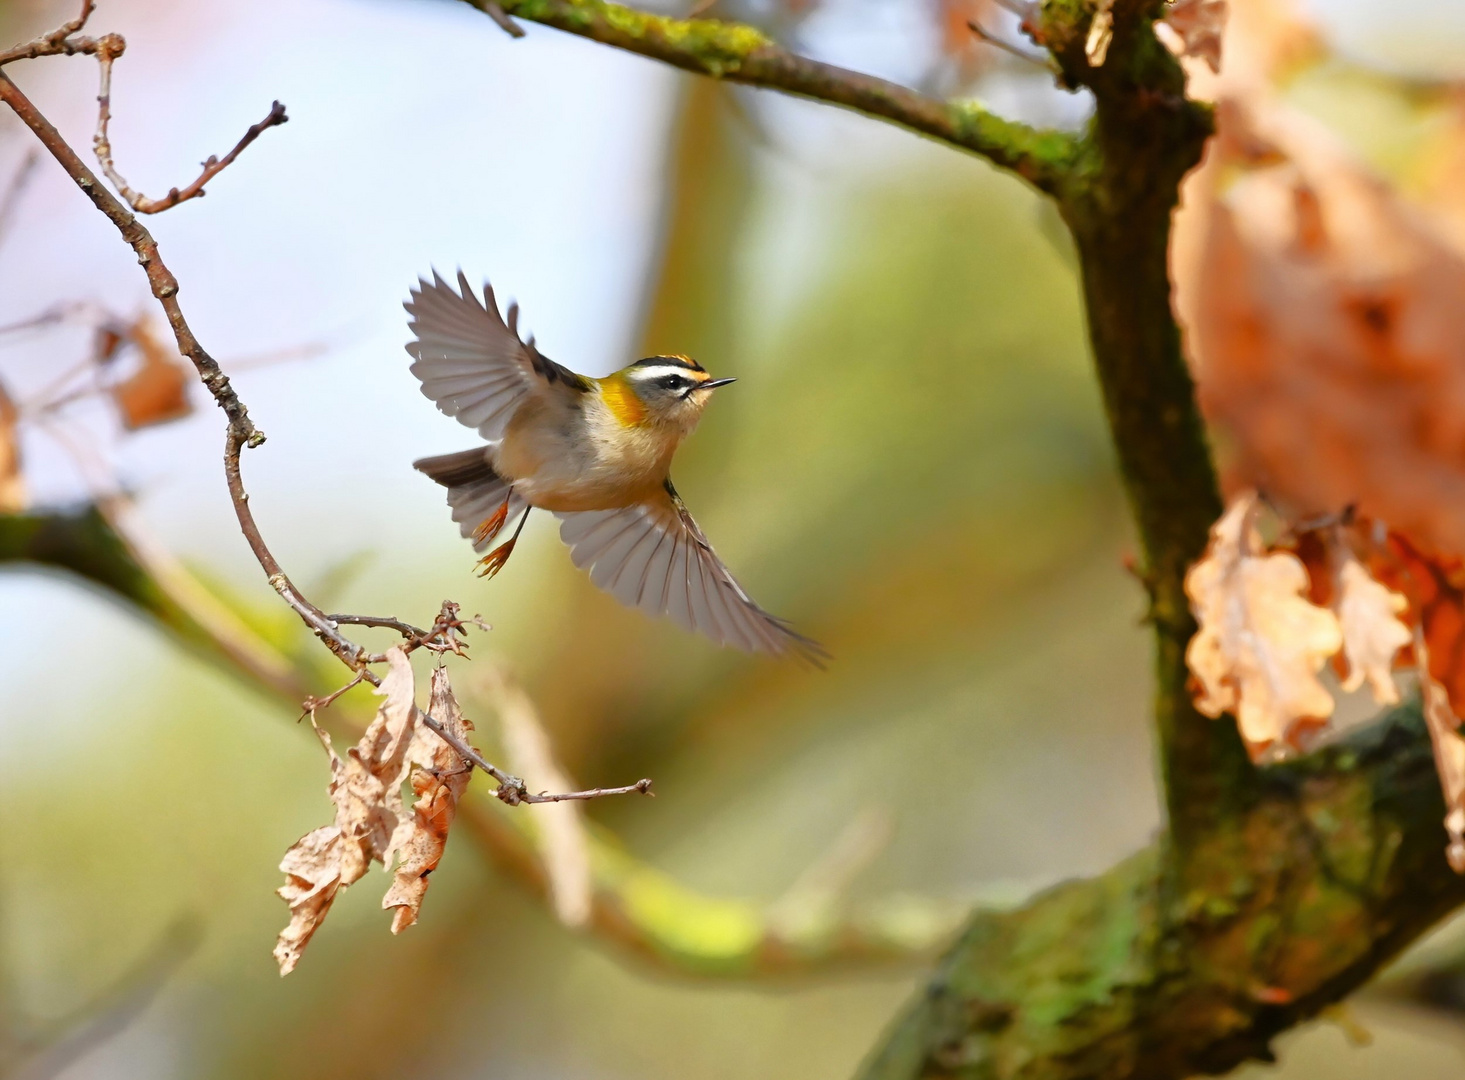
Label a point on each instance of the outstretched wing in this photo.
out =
(653, 556)
(471, 363)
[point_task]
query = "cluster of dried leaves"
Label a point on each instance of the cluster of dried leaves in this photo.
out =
(1272, 616)
(372, 821)
(1321, 305)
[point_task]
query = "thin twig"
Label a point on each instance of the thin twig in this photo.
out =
(1007, 47)
(108, 49)
(57, 42)
(501, 17)
(407, 630)
(640, 787)
(312, 703)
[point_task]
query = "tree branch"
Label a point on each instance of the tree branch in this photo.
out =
(742, 54)
(1111, 979)
(108, 49)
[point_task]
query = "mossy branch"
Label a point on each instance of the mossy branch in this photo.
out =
(1119, 977)
(743, 54)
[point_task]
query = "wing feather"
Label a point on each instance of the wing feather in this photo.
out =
(471, 363)
(654, 557)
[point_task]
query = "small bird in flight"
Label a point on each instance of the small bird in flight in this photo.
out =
(594, 452)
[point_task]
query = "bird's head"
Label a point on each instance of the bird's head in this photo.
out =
(670, 390)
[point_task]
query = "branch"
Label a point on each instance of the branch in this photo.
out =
(1105, 980)
(741, 54)
(109, 48)
(163, 284)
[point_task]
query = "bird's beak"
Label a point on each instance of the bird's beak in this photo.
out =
(712, 384)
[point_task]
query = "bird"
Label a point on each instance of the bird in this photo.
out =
(596, 453)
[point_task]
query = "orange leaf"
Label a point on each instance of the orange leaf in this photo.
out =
(1372, 633)
(1435, 588)
(158, 391)
(1260, 643)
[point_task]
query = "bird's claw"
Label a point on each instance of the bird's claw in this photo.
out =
(491, 526)
(494, 561)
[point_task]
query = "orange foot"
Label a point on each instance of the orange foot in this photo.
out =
(494, 561)
(492, 526)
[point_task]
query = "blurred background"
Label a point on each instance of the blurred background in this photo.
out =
(913, 468)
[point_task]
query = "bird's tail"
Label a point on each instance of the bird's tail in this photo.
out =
(477, 494)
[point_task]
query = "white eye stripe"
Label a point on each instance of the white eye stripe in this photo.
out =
(661, 371)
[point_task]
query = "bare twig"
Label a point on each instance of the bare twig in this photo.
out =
(406, 629)
(513, 798)
(161, 281)
(108, 49)
(57, 42)
(501, 17)
(312, 703)
(1006, 46)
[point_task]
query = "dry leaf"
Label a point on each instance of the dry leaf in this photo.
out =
(562, 841)
(1323, 318)
(366, 789)
(158, 391)
(1435, 588)
(1449, 754)
(439, 777)
(1199, 26)
(1261, 643)
(13, 497)
(1101, 33)
(1368, 613)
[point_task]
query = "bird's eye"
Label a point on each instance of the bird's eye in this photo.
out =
(673, 382)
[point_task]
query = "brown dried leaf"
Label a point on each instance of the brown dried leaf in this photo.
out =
(1322, 315)
(366, 789)
(13, 496)
(158, 391)
(1449, 754)
(1101, 33)
(1435, 587)
(1199, 26)
(1260, 644)
(439, 777)
(1368, 613)
(562, 841)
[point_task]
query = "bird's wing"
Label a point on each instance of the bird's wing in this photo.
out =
(653, 556)
(471, 363)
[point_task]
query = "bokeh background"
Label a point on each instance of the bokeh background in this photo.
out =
(913, 467)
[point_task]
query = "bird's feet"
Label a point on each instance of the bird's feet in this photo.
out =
(492, 525)
(495, 560)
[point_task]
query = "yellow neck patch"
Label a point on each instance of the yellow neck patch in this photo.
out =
(622, 401)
